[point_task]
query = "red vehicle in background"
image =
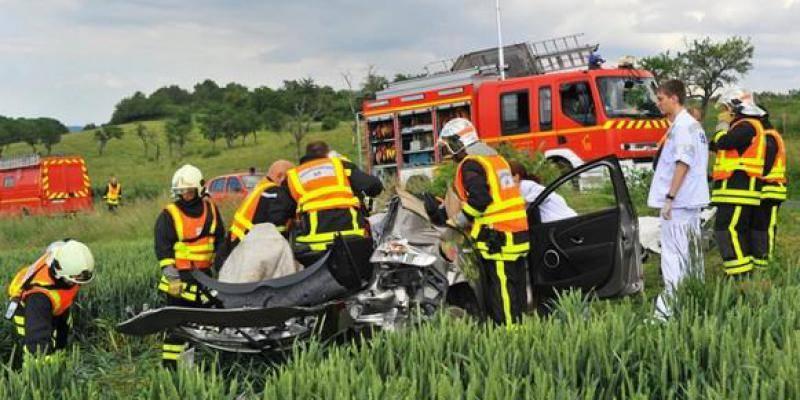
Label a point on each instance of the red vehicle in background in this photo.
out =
(44, 185)
(554, 100)
(233, 186)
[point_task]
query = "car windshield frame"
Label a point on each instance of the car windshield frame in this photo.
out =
(250, 181)
(621, 107)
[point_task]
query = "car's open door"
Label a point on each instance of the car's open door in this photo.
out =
(597, 250)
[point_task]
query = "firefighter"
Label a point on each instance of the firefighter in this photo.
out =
(326, 194)
(269, 201)
(186, 233)
(492, 205)
(43, 293)
(113, 193)
(773, 194)
(737, 174)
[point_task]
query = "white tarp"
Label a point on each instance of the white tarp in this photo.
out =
(263, 254)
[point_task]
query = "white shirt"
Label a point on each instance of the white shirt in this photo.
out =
(553, 208)
(687, 143)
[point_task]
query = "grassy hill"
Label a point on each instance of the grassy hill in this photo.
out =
(142, 175)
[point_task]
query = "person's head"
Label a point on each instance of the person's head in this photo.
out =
(112, 179)
(317, 149)
(71, 261)
(671, 97)
(518, 171)
(252, 170)
(277, 171)
(735, 101)
(460, 138)
(187, 183)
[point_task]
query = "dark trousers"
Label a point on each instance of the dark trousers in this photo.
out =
(733, 231)
(175, 345)
(505, 291)
(765, 229)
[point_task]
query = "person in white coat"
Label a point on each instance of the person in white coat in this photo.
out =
(679, 189)
(553, 208)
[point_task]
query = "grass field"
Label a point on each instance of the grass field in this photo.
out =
(728, 340)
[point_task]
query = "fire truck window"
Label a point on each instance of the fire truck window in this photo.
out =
(8, 181)
(234, 185)
(545, 109)
(515, 112)
(577, 103)
(217, 185)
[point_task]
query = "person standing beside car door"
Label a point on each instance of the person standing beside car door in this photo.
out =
(679, 189)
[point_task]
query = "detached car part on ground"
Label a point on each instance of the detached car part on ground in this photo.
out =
(407, 278)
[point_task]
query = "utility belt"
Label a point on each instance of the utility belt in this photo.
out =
(502, 245)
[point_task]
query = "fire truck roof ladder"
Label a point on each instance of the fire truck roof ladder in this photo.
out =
(532, 58)
(561, 53)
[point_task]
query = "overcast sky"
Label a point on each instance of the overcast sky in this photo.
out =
(74, 59)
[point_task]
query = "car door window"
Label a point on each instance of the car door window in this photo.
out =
(234, 185)
(577, 103)
(217, 185)
(515, 112)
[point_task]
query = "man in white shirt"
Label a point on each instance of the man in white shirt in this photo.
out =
(679, 189)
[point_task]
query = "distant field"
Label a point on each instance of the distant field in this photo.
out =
(142, 175)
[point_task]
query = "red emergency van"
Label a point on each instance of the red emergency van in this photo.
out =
(44, 185)
(553, 101)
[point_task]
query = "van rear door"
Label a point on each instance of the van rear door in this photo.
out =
(64, 178)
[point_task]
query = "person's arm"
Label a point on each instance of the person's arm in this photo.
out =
(363, 182)
(280, 208)
(738, 138)
(477, 188)
(681, 169)
(219, 233)
(38, 324)
(164, 240)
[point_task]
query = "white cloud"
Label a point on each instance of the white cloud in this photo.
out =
(100, 51)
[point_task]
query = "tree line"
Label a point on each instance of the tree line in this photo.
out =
(704, 65)
(32, 131)
(235, 112)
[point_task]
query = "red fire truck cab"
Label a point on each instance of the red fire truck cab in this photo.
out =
(553, 103)
(44, 185)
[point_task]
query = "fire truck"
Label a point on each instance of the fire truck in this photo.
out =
(44, 185)
(554, 100)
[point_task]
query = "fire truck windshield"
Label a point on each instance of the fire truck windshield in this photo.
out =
(629, 97)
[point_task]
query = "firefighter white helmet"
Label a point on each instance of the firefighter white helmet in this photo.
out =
(458, 134)
(72, 261)
(739, 101)
(187, 177)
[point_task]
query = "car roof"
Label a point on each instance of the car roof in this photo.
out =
(240, 174)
